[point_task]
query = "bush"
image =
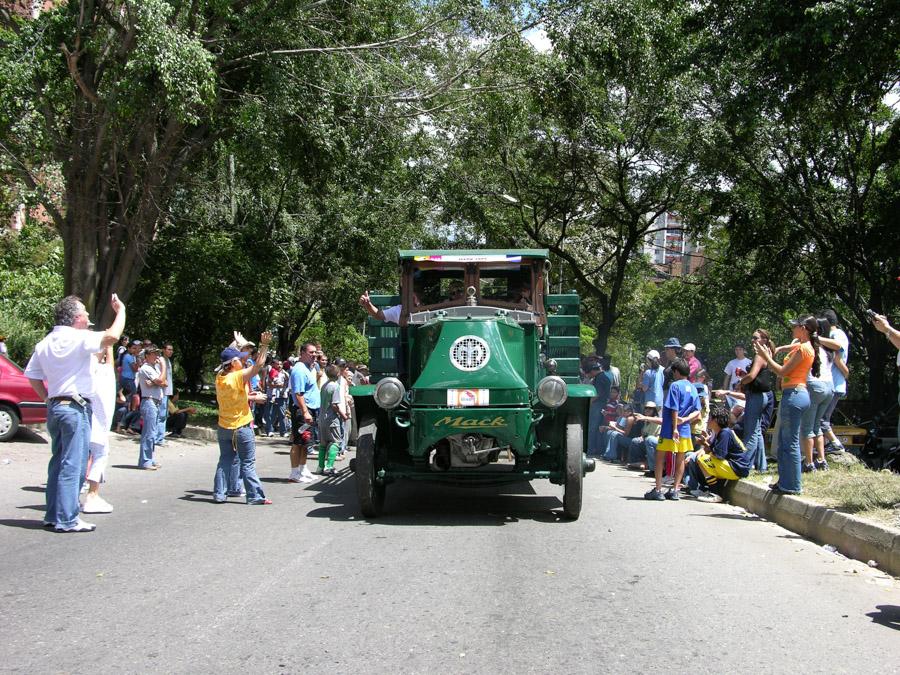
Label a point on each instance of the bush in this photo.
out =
(21, 336)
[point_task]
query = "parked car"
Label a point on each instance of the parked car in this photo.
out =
(19, 403)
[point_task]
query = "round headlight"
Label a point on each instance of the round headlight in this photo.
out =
(389, 392)
(552, 391)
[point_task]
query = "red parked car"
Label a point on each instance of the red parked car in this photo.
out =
(19, 403)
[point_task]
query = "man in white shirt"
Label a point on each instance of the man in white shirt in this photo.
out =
(60, 373)
(736, 368)
(152, 382)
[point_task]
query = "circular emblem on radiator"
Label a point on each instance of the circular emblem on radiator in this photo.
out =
(470, 353)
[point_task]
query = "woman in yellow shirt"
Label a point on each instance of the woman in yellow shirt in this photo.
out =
(803, 357)
(235, 433)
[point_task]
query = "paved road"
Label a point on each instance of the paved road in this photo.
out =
(452, 580)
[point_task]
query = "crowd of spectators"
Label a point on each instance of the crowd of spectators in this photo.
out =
(694, 438)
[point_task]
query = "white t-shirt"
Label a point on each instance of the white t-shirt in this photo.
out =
(63, 361)
(824, 368)
(392, 314)
(733, 366)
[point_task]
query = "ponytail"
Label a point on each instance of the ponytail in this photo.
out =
(812, 327)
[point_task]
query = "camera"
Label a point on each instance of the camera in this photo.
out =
(870, 315)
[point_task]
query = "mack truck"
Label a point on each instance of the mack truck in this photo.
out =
(474, 380)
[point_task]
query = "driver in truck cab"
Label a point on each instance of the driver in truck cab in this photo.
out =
(455, 291)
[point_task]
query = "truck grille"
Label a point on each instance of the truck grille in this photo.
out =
(469, 353)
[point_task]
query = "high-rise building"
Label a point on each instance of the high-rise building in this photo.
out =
(670, 248)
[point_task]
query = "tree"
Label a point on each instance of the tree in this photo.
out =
(124, 97)
(588, 145)
(805, 147)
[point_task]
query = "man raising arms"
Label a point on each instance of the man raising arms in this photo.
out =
(63, 360)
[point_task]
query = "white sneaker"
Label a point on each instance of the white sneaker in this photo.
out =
(270, 434)
(306, 472)
(295, 476)
(96, 505)
(307, 479)
(79, 526)
(710, 497)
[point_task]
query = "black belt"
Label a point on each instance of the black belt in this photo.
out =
(69, 399)
(150, 398)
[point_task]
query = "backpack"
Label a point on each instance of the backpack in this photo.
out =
(764, 382)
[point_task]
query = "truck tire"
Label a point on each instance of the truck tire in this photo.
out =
(574, 464)
(370, 493)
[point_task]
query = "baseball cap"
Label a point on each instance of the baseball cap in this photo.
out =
(230, 353)
(673, 342)
(690, 347)
(653, 354)
(650, 404)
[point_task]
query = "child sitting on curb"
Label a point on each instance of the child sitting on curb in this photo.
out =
(331, 421)
(723, 458)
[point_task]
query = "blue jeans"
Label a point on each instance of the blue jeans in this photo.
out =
(241, 445)
(161, 420)
(794, 402)
(595, 419)
(149, 417)
(274, 416)
(609, 443)
(650, 443)
(69, 426)
(820, 395)
(753, 437)
(829, 411)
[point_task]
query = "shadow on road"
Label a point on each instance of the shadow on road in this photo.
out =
(420, 503)
(26, 435)
(34, 507)
(887, 615)
(23, 524)
(34, 488)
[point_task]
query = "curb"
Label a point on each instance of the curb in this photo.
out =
(199, 433)
(852, 536)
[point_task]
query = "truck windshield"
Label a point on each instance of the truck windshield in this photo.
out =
(438, 286)
(506, 283)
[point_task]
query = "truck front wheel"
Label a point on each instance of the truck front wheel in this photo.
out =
(574, 468)
(370, 492)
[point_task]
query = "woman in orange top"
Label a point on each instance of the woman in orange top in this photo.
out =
(803, 356)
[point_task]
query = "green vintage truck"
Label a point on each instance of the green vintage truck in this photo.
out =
(475, 380)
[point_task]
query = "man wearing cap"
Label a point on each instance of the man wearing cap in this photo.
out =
(152, 380)
(237, 444)
(60, 373)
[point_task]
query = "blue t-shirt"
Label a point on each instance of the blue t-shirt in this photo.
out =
(653, 379)
(127, 362)
(303, 381)
(727, 445)
(840, 382)
(682, 397)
